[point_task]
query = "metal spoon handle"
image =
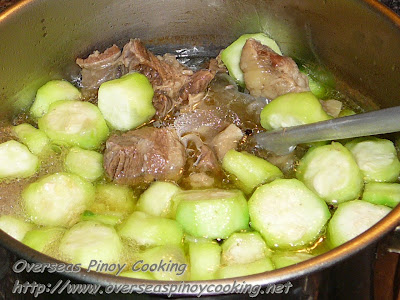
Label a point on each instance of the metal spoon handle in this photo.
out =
(283, 141)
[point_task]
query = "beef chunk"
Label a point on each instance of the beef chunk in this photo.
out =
(135, 57)
(206, 167)
(200, 180)
(199, 81)
(100, 67)
(207, 161)
(144, 155)
(202, 163)
(205, 122)
(163, 104)
(198, 84)
(166, 74)
(217, 65)
(173, 83)
(226, 140)
(178, 75)
(269, 74)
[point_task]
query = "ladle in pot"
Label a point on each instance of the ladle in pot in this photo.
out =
(284, 141)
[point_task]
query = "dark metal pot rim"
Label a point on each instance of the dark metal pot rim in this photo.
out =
(292, 272)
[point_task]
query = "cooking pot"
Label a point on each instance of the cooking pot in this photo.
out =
(358, 41)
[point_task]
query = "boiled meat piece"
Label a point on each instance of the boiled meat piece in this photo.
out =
(198, 84)
(100, 67)
(226, 140)
(144, 155)
(166, 74)
(268, 74)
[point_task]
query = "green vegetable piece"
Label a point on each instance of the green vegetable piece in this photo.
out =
(243, 248)
(16, 161)
(85, 163)
(212, 213)
(318, 73)
(291, 110)
(346, 112)
(191, 239)
(287, 214)
(250, 170)
(43, 238)
(231, 55)
(377, 159)
(35, 139)
(51, 92)
(317, 144)
(319, 80)
(171, 259)
(204, 260)
(104, 219)
(284, 259)
(14, 226)
(126, 102)
(57, 200)
(255, 267)
(75, 123)
(146, 230)
(157, 199)
(353, 218)
(113, 199)
(317, 88)
(331, 172)
(382, 193)
(87, 241)
(137, 275)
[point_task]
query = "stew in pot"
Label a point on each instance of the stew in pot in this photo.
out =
(149, 162)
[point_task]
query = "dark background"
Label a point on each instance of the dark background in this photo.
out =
(393, 4)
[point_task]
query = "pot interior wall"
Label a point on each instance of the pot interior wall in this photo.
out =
(42, 40)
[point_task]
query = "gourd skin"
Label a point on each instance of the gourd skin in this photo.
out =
(74, 123)
(52, 91)
(126, 102)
